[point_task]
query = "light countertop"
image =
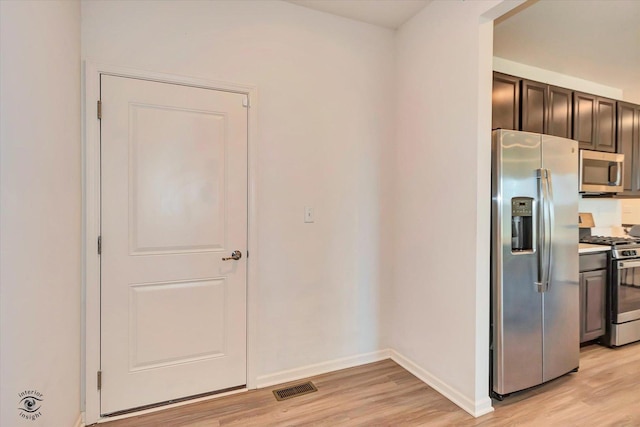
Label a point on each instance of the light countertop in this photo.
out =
(586, 248)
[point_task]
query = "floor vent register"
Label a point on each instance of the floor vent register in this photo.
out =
(294, 391)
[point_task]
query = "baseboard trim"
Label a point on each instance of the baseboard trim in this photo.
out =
(80, 420)
(475, 408)
(321, 368)
(483, 407)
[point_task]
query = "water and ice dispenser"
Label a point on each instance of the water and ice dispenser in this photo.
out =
(521, 224)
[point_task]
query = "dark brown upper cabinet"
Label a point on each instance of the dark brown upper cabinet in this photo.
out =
(594, 122)
(606, 127)
(560, 112)
(584, 120)
(535, 102)
(546, 109)
(506, 102)
(628, 140)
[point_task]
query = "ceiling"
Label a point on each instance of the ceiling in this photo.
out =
(385, 13)
(596, 40)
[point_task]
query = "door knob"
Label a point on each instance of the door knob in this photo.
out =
(234, 255)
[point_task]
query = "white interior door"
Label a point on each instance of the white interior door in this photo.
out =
(174, 203)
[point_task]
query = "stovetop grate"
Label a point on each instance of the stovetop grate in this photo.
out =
(609, 240)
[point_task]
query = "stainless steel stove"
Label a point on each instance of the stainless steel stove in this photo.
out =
(621, 247)
(623, 296)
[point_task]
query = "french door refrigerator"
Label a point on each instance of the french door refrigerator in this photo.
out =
(534, 255)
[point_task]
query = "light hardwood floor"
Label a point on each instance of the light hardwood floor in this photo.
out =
(605, 392)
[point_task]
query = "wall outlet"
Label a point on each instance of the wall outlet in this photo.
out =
(308, 214)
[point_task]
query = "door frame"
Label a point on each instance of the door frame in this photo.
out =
(90, 304)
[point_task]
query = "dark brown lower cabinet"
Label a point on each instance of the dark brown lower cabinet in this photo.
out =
(593, 287)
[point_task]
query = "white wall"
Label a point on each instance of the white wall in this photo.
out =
(557, 79)
(40, 214)
(632, 95)
(610, 214)
(606, 212)
(630, 211)
(440, 307)
(325, 132)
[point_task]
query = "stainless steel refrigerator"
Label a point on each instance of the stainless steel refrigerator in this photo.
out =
(534, 256)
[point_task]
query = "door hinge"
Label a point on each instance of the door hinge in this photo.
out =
(99, 380)
(99, 245)
(99, 110)
(245, 102)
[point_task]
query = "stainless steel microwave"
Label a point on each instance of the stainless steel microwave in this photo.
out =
(601, 172)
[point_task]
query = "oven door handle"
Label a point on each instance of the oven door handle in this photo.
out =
(622, 265)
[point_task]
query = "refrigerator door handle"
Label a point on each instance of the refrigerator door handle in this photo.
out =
(541, 225)
(545, 226)
(549, 230)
